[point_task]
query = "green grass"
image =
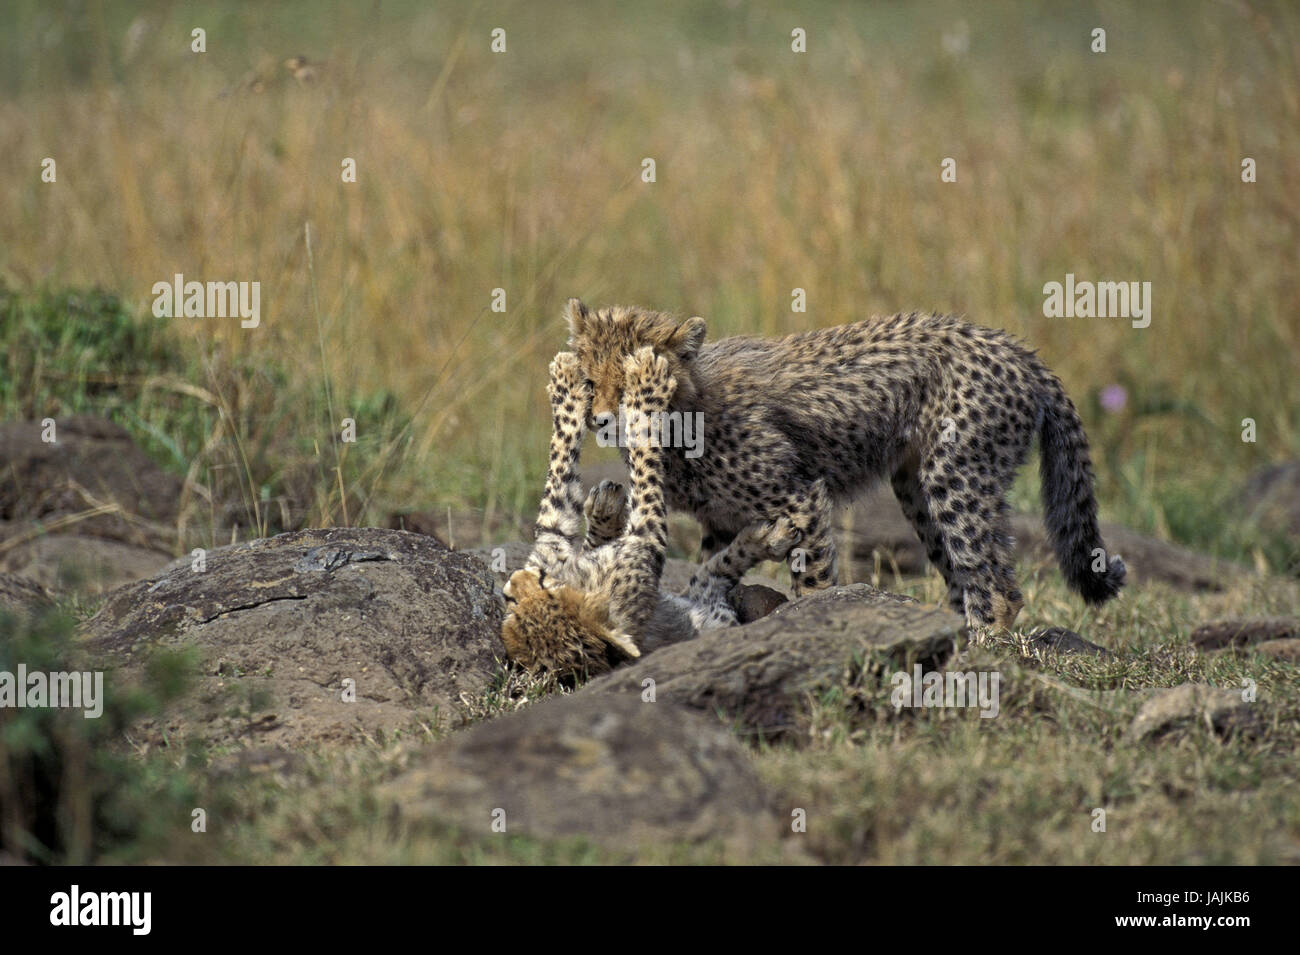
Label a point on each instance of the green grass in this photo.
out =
(71, 791)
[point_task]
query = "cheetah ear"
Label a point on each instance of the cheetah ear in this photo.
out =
(686, 339)
(576, 316)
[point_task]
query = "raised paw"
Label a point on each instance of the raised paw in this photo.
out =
(772, 540)
(605, 510)
(568, 387)
(780, 538)
(648, 382)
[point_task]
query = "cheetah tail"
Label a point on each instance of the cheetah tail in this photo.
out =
(1069, 502)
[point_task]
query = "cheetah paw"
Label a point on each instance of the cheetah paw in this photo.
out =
(605, 509)
(567, 380)
(774, 539)
(648, 382)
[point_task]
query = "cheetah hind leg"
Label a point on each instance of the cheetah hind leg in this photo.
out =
(757, 542)
(621, 641)
(606, 513)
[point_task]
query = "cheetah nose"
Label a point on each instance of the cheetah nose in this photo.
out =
(601, 420)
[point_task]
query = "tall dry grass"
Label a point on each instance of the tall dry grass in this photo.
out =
(774, 171)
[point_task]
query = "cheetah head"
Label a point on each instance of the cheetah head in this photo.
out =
(559, 631)
(603, 337)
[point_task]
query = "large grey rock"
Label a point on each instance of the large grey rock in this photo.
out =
(279, 624)
(761, 675)
(612, 770)
(1221, 710)
(876, 527)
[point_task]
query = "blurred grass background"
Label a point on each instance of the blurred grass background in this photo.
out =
(522, 171)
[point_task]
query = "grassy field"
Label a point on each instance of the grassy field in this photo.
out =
(522, 171)
(774, 171)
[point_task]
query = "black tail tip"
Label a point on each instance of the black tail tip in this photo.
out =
(1099, 586)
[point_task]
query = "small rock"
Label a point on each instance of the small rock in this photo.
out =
(1239, 633)
(755, 601)
(1286, 650)
(92, 456)
(1271, 498)
(1061, 640)
(1222, 710)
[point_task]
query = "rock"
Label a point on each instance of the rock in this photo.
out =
(91, 564)
(1288, 651)
(762, 674)
(1148, 560)
(280, 623)
(1222, 710)
(610, 769)
(93, 460)
(20, 595)
(755, 601)
(1061, 640)
(875, 525)
(89, 511)
(1270, 499)
(1240, 633)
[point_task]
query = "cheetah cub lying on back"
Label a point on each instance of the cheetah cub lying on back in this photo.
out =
(580, 607)
(945, 410)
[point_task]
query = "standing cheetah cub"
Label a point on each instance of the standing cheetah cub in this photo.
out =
(581, 607)
(945, 410)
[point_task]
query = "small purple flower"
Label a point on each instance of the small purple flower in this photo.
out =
(1114, 398)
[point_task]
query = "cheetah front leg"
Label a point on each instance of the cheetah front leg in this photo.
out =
(559, 515)
(639, 560)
